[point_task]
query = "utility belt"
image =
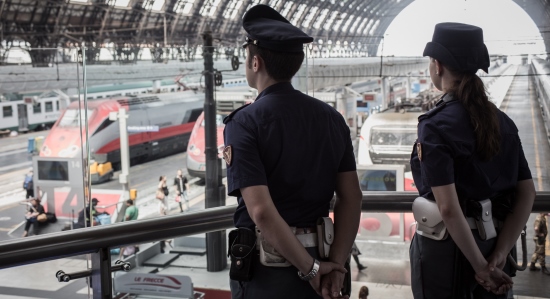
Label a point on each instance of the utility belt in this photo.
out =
(244, 243)
(429, 222)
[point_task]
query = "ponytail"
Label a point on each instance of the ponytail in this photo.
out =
(483, 114)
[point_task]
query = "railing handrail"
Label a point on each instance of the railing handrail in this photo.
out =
(75, 242)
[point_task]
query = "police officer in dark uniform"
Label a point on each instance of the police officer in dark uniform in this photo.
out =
(286, 154)
(467, 151)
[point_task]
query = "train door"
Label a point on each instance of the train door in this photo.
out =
(23, 119)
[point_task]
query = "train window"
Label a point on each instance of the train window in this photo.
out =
(57, 105)
(103, 125)
(191, 115)
(71, 117)
(49, 106)
(37, 108)
(7, 111)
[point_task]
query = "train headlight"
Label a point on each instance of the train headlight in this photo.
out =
(194, 150)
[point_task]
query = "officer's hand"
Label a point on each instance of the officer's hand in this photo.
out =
(331, 285)
(325, 268)
(497, 260)
(494, 279)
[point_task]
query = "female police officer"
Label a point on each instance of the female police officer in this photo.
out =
(286, 154)
(467, 151)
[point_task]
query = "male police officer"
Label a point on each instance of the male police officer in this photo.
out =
(286, 154)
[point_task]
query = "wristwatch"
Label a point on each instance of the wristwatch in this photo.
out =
(311, 273)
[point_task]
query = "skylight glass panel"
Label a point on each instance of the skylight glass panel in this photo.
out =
(366, 31)
(232, 9)
(298, 13)
(286, 8)
(348, 22)
(79, 1)
(354, 24)
(320, 19)
(184, 6)
(309, 17)
(121, 3)
(374, 27)
(274, 3)
(330, 20)
(158, 5)
(339, 19)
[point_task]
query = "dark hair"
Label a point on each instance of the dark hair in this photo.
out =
(483, 113)
(281, 66)
(129, 201)
(363, 292)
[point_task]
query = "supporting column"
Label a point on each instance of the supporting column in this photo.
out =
(121, 116)
(216, 259)
(101, 281)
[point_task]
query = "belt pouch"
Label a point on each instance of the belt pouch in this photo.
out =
(241, 251)
(269, 257)
(484, 222)
(429, 222)
(325, 235)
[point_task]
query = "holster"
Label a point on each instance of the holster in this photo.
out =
(325, 235)
(481, 211)
(429, 222)
(502, 204)
(241, 251)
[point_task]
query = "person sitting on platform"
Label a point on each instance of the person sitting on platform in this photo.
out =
(84, 219)
(35, 209)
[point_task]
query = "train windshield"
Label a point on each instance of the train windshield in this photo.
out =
(219, 120)
(393, 136)
(71, 117)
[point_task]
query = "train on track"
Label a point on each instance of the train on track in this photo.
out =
(170, 118)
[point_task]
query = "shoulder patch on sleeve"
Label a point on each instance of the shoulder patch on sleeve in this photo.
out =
(232, 114)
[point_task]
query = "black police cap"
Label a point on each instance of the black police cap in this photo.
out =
(266, 28)
(459, 46)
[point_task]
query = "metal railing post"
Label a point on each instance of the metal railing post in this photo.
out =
(101, 281)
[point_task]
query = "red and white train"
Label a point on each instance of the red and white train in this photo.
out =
(226, 102)
(173, 113)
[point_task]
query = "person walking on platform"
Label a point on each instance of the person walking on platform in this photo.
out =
(182, 185)
(286, 155)
(28, 184)
(355, 254)
(472, 176)
(541, 231)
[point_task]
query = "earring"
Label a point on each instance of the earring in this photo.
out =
(437, 72)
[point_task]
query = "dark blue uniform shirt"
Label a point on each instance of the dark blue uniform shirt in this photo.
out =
(292, 143)
(448, 155)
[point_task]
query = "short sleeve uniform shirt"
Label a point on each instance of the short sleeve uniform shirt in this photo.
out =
(445, 153)
(292, 143)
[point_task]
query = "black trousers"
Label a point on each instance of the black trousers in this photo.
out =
(433, 267)
(274, 282)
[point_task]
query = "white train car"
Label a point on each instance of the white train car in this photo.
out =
(388, 137)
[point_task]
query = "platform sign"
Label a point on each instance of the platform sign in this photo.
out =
(179, 286)
(140, 129)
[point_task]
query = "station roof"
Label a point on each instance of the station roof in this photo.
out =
(139, 23)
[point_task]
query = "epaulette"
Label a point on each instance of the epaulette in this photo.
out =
(445, 99)
(230, 116)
